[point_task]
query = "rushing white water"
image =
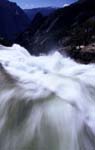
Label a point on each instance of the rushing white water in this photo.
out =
(46, 102)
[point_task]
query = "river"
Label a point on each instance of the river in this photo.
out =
(46, 102)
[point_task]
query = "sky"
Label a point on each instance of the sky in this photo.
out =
(42, 3)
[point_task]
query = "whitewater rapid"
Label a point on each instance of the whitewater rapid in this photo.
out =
(46, 102)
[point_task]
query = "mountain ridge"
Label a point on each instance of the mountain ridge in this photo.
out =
(45, 11)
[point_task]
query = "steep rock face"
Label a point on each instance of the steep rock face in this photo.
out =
(26, 39)
(13, 20)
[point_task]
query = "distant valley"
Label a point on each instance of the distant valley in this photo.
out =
(45, 11)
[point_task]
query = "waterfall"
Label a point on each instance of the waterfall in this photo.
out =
(46, 102)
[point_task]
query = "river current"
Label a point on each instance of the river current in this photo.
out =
(46, 102)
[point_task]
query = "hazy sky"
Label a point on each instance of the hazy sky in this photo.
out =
(42, 3)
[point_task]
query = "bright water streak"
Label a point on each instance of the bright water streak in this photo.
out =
(46, 102)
